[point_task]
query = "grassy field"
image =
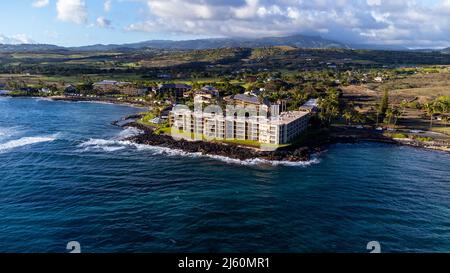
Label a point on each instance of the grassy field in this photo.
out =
(443, 130)
(423, 85)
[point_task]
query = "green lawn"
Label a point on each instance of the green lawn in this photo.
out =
(194, 136)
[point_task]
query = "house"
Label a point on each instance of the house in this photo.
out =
(257, 92)
(71, 90)
(203, 98)
(439, 117)
(209, 90)
(46, 90)
(165, 113)
(177, 90)
(378, 79)
(244, 100)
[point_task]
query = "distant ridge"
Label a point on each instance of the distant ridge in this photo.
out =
(295, 41)
(298, 41)
(30, 48)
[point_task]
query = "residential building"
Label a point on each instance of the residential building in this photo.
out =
(177, 90)
(71, 90)
(46, 90)
(378, 79)
(244, 100)
(209, 90)
(242, 122)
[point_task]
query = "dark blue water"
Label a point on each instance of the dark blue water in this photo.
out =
(66, 175)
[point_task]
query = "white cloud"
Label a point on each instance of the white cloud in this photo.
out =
(374, 2)
(40, 3)
(15, 39)
(74, 11)
(102, 22)
(408, 22)
(107, 5)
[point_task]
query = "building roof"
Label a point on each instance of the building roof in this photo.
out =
(106, 82)
(247, 99)
(311, 103)
(288, 117)
(209, 88)
(110, 82)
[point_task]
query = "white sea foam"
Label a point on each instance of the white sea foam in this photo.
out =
(117, 145)
(129, 132)
(43, 99)
(103, 145)
(5, 132)
(24, 142)
(8, 132)
(249, 162)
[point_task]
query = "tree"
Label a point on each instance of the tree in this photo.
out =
(403, 105)
(350, 114)
(384, 105)
(329, 106)
(396, 114)
(429, 109)
(388, 116)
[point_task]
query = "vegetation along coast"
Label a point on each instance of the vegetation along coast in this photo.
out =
(323, 96)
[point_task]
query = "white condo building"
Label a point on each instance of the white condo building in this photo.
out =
(241, 123)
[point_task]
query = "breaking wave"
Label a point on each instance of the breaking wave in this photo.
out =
(129, 132)
(6, 132)
(25, 141)
(115, 145)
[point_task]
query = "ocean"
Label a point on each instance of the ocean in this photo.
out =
(66, 174)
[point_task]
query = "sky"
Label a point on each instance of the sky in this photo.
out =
(411, 23)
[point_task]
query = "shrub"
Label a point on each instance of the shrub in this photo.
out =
(399, 135)
(422, 139)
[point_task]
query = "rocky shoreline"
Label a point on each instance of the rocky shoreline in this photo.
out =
(293, 153)
(216, 149)
(98, 100)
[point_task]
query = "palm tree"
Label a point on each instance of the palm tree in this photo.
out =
(403, 105)
(429, 109)
(358, 117)
(384, 105)
(445, 118)
(348, 115)
(389, 115)
(396, 113)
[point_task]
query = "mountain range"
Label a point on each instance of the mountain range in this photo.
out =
(299, 41)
